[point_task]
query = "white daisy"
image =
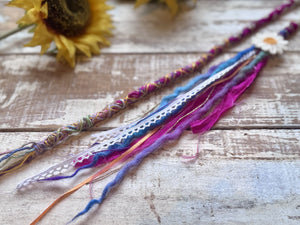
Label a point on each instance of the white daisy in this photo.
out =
(270, 42)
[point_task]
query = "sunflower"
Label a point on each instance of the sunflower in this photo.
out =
(172, 4)
(80, 25)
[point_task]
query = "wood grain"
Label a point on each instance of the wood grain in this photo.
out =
(266, 144)
(48, 96)
(229, 177)
(142, 30)
(247, 171)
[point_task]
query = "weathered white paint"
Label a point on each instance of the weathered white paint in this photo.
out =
(214, 188)
(210, 22)
(17, 66)
(248, 168)
(75, 109)
(65, 96)
(20, 89)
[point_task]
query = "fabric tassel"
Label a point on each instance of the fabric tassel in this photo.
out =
(122, 141)
(178, 123)
(15, 159)
(198, 108)
(206, 97)
(162, 140)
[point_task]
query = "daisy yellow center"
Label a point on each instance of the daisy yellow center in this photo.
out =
(270, 41)
(67, 17)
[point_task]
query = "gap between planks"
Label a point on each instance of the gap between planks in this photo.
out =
(28, 130)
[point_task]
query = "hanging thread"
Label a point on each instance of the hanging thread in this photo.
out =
(220, 95)
(16, 158)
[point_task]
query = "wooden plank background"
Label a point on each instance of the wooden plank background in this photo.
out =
(249, 164)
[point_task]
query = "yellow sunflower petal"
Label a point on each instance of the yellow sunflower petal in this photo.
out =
(24, 4)
(140, 2)
(101, 29)
(44, 11)
(61, 49)
(31, 16)
(26, 20)
(92, 42)
(84, 49)
(67, 48)
(99, 6)
(172, 4)
(41, 37)
(37, 4)
(69, 45)
(87, 40)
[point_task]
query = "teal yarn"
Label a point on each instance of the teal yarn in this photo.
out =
(213, 70)
(174, 134)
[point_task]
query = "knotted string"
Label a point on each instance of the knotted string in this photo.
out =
(60, 135)
(174, 128)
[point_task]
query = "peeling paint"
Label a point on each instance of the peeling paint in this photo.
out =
(75, 109)
(20, 89)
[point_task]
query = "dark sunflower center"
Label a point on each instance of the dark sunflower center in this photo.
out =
(67, 17)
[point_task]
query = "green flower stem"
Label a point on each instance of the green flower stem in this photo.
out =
(14, 31)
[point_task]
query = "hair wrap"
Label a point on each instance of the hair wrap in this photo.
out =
(199, 108)
(61, 134)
